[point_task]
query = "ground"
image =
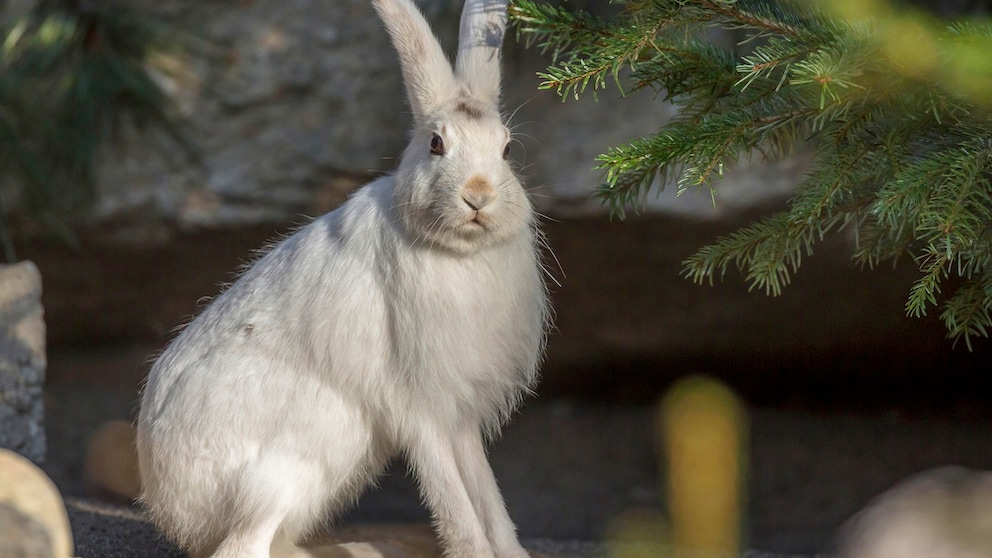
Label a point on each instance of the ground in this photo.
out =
(570, 467)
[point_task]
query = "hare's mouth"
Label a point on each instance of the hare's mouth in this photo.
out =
(478, 220)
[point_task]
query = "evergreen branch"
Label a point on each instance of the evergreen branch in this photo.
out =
(840, 184)
(556, 28)
(946, 196)
(758, 17)
(767, 58)
(700, 148)
(875, 243)
(903, 153)
(572, 76)
(934, 264)
(695, 68)
(968, 314)
(768, 252)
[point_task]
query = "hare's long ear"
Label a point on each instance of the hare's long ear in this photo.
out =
(480, 39)
(426, 70)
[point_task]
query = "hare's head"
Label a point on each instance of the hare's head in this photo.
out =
(455, 187)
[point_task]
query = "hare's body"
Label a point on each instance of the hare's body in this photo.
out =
(297, 384)
(408, 322)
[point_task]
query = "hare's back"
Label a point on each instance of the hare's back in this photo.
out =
(309, 296)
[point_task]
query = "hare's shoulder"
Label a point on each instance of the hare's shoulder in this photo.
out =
(351, 232)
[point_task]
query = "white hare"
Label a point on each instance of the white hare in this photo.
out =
(408, 322)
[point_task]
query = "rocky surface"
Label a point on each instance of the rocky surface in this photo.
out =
(294, 103)
(33, 521)
(22, 361)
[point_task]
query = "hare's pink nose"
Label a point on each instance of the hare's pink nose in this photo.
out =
(478, 192)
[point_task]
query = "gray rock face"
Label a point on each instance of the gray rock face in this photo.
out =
(22, 361)
(296, 103)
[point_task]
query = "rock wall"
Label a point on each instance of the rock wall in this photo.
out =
(22, 361)
(296, 103)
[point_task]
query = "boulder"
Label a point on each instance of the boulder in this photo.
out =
(33, 519)
(940, 513)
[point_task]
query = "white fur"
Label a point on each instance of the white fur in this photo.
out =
(406, 322)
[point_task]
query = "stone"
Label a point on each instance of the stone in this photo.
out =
(940, 513)
(22, 536)
(33, 519)
(22, 360)
(110, 469)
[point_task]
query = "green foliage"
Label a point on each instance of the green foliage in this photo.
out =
(896, 105)
(71, 73)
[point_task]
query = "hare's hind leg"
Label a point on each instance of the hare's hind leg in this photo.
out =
(267, 493)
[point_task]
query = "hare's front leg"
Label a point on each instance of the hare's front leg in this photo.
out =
(432, 456)
(485, 495)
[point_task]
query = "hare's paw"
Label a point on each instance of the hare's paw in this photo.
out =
(463, 550)
(283, 548)
(511, 551)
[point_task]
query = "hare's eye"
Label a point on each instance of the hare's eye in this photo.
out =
(506, 152)
(437, 145)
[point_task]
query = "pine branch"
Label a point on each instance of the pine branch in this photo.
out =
(697, 68)
(755, 15)
(968, 314)
(768, 252)
(613, 47)
(896, 109)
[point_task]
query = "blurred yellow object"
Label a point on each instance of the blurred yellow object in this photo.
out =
(110, 469)
(910, 44)
(857, 10)
(703, 434)
(918, 46)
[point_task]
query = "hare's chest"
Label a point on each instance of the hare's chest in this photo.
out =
(464, 316)
(454, 303)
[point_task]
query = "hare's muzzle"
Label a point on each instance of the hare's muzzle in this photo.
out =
(478, 192)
